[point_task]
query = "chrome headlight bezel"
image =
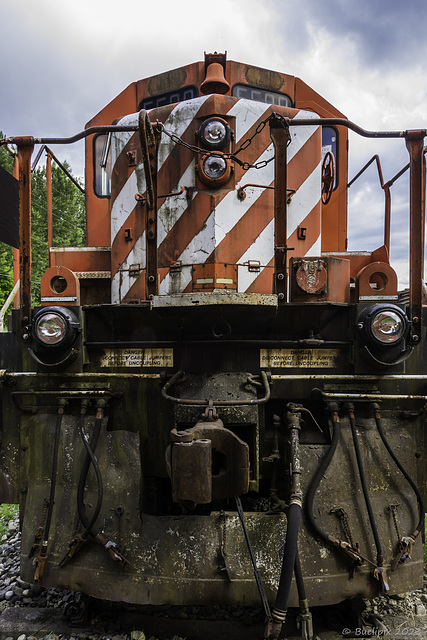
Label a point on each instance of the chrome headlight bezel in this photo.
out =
(214, 133)
(384, 325)
(55, 327)
(214, 170)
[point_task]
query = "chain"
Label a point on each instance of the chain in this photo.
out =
(39, 533)
(231, 156)
(393, 509)
(343, 516)
(224, 534)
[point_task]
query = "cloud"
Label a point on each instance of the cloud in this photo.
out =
(63, 61)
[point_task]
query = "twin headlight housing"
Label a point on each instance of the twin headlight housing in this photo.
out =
(55, 327)
(214, 135)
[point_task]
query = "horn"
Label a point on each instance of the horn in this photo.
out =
(215, 81)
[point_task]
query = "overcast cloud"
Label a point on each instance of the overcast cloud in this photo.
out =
(63, 61)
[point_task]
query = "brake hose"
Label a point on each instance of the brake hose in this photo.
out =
(333, 407)
(401, 468)
(90, 459)
(380, 558)
(405, 543)
(278, 615)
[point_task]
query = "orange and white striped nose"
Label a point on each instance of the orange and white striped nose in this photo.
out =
(213, 233)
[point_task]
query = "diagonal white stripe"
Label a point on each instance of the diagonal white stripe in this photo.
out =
(124, 203)
(174, 206)
(305, 199)
(137, 255)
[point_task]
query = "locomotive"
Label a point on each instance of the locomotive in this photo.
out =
(215, 401)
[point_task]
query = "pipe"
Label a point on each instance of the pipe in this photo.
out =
(90, 459)
(333, 408)
(278, 615)
(380, 557)
(420, 525)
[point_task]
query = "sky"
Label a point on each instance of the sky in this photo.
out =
(62, 61)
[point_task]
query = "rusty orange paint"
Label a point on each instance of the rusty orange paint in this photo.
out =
(334, 224)
(60, 286)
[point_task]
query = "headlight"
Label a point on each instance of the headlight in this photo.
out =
(214, 133)
(214, 167)
(55, 327)
(384, 324)
(50, 328)
(214, 170)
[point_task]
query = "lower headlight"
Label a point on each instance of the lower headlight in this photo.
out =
(214, 167)
(214, 170)
(384, 324)
(55, 327)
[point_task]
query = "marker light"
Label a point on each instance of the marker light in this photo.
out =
(384, 324)
(55, 327)
(214, 133)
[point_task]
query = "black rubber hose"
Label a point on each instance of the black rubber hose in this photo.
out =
(89, 459)
(299, 579)
(309, 499)
(365, 489)
(288, 563)
(401, 468)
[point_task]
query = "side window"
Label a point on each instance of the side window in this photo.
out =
(102, 165)
(330, 143)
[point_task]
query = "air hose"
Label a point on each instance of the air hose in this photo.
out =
(278, 615)
(90, 459)
(407, 541)
(99, 537)
(333, 407)
(380, 557)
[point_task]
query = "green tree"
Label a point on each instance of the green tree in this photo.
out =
(6, 252)
(68, 223)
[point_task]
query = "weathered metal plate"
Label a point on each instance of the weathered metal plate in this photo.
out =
(137, 358)
(215, 298)
(300, 358)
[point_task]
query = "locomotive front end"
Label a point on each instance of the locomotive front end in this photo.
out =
(224, 396)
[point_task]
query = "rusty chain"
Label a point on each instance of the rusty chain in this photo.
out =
(343, 516)
(393, 509)
(231, 156)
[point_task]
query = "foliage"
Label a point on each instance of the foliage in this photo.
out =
(68, 222)
(7, 512)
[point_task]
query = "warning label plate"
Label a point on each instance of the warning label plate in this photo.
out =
(137, 358)
(299, 358)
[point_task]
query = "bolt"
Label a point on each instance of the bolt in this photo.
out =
(281, 296)
(415, 338)
(26, 336)
(415, 320)
(151, 278)
(360, 325)
(280, 276)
